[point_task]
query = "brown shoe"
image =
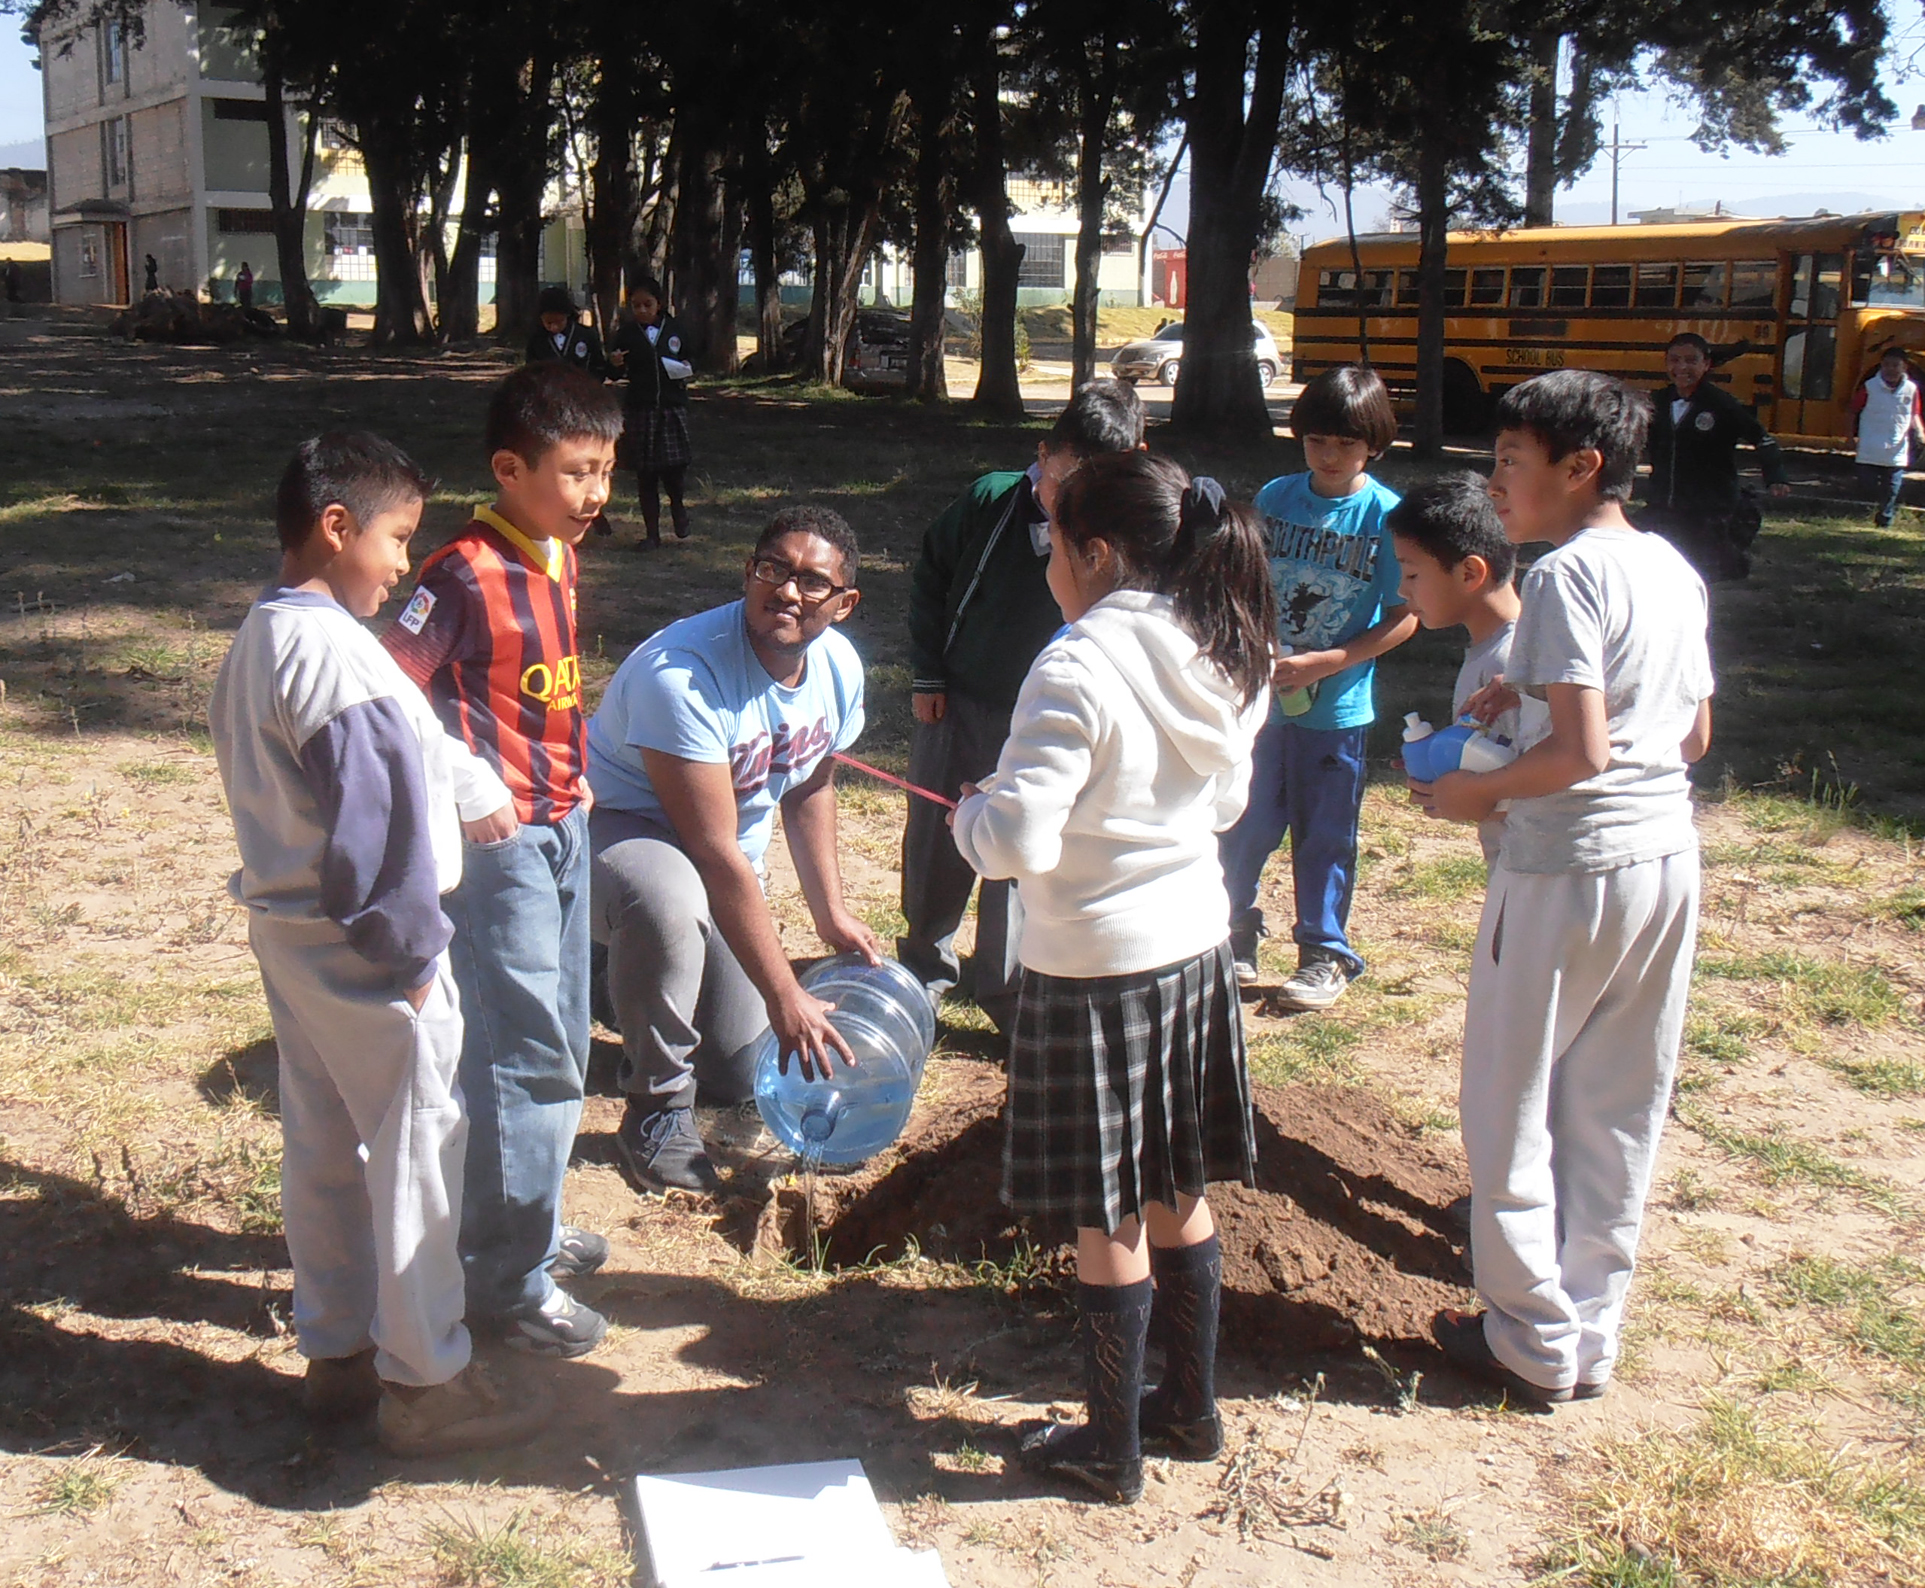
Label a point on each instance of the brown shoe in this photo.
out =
(339, 1389)
(474, 1410)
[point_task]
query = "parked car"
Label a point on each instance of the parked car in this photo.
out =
(1157, 358)
(877, 357)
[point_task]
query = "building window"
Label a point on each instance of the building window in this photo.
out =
(334, 137)
(956, 272)
(89, 255)
(113, 50)
(1042, 264)
(348, 231)
(118, 163)
(239, 222)
(240, 110)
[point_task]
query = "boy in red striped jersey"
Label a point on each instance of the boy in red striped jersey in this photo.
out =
(489, 635)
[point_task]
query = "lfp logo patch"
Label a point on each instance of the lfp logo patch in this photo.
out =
(414, 616)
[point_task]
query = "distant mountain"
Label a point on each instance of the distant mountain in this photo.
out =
(1775, 204)
(32, 155)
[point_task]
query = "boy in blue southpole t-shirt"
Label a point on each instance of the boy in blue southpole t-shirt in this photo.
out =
(1338, 610)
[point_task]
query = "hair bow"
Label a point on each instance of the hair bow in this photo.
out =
(1202, 509)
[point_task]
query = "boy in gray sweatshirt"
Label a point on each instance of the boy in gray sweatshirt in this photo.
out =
(347, 799)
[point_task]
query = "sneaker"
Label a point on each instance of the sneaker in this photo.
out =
(581, 1252)
(472, 1411)
(559, 1326)
(1245, 933)
(1316, 985)
(339, 1389)
(663, 1151)
(1462, 1338)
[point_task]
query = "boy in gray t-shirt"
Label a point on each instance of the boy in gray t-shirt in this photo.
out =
(1583, 958)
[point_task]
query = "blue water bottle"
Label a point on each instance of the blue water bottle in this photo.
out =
(889, 1021)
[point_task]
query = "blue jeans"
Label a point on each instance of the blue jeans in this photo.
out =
(1884, 484)
(520, 960)
(1308, 782)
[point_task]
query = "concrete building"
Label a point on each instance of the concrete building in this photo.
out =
(23, 206)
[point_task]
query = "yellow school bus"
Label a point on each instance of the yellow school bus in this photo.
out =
(1797, 311)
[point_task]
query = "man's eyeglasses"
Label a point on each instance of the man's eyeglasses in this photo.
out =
(812, 587)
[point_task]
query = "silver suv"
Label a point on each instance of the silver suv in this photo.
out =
(1157, 358)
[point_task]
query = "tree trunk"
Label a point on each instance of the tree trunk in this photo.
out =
(400, 308)
(1097, 99)
(461, 307)
(614, 201)
(1218, 391)
(520, 163)
(1433, 230)
(288, 201)
(927, 380)
(844, 239)
(701, 236)
(760, 220)
(1540, 162)
(998, 388)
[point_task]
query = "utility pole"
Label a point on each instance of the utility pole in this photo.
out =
(1619, 149)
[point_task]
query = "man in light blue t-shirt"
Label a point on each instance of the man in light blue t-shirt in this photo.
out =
(1338, 610)
(705, 731)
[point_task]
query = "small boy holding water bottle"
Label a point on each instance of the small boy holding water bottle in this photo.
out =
(1338, 610)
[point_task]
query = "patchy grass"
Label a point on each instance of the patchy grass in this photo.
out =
(1811, 990)
(1782, 1159)
(78, 1487)
(1309, 1048)
(1884, 1077)
(1873, 1306)
(521, 1552)
(1738, 1499)
(1448, 880)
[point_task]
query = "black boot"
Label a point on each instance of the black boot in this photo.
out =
(1179, 1417)
(1103, 1453)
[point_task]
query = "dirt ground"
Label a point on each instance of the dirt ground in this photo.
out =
(1764, 1427)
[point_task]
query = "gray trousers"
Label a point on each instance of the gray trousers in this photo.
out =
(691, 1019)
(373, 1136)
(962, 748)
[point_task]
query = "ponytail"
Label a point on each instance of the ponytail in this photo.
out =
(1182, 538)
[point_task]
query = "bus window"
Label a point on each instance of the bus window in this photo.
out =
(1801, 288)
(1527, 287)
(1487, 286)
(1568, 286)
(1454, 289)
(1657, 287)
(1821, 352)
(1704, 285)
(1754, 283)
(1828, 293)
(1793, 381)
(1407, 289)
(1611, 287)
(1338, 288)
(1887, 280)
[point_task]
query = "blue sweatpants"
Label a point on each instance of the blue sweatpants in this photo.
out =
(1308, 782)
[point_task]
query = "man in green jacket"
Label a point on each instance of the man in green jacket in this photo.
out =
(979, 611)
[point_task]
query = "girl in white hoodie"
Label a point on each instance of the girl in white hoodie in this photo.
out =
(1129, 751)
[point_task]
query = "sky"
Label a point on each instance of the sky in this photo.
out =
(1820, 168)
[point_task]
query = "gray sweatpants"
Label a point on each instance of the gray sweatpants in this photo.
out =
(691, 1019)
(962, 748)
(1577, 999)
(373, 1240)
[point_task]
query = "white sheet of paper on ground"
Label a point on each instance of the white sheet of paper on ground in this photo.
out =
(810, 1524)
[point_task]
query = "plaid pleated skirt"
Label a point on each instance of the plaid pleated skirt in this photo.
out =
(654, 438)
(1126, 1090)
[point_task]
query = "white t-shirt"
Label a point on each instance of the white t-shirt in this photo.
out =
(1619, 611)
(1523, 725)
(697, 690)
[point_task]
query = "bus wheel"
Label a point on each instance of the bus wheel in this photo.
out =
(1467, 407)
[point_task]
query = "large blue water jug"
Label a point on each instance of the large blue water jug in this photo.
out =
(889, 1021)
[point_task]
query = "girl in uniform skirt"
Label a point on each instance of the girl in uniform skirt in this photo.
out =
(648, 352)
(1128, 753)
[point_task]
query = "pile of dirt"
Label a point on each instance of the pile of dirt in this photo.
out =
(182, 318)
(1344, 1235)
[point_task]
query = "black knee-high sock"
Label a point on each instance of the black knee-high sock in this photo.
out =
(1116, 1322)
(647, 487)
(1189, 1289)
(673, 480)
